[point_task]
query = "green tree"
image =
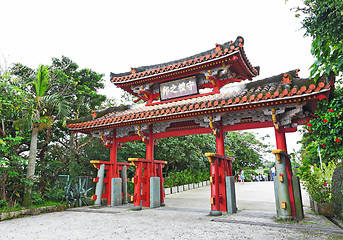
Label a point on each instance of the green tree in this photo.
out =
(11, 163)
(188, 152)
(326, 131)
(40, 101)
(247, 151)
(185, 152)
(323, 21)
(81, 86)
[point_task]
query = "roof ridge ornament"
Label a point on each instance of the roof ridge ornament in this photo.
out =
(218, 48)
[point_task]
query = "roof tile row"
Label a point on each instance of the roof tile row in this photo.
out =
(218, 51)
(227, 97)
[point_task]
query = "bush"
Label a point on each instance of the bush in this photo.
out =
(316, 181)
(2, 203)
(187, 176)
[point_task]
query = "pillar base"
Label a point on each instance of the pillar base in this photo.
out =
(136, 208)
(216, 213)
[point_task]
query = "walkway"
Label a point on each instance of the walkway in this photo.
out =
(184, 217)
(256, 196)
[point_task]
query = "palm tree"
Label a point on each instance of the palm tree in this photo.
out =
(39, 102)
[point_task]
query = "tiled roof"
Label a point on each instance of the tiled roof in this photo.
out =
(220, 51)
(243, 96)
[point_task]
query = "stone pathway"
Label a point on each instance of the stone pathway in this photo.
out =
(184, 217)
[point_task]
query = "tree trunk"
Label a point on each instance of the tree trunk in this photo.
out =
(43, 181)
(72, 154)
(31, 166)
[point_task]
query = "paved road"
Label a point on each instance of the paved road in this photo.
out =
(184, 217)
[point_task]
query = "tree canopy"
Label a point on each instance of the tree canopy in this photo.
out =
(323, 21)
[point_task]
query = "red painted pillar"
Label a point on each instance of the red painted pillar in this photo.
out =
(281, 144)
(150, 152)
(112, 171)
(220, 140)
(281, 139)
(138, 185)
(215, 186)
(149, 170)
(218, 174)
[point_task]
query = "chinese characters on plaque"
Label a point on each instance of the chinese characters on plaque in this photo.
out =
(178, 88)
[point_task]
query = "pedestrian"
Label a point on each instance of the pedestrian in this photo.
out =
(242, 175)
(273, 172)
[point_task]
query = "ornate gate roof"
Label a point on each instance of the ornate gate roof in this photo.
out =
(230, 54)
(256, 95)
(282, 100)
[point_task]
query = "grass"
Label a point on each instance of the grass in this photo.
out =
(18, 207)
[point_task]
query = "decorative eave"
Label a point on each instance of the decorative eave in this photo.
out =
(231, 53)
(266, 93)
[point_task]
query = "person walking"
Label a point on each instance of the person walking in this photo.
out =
(242, 175)
(273, 172)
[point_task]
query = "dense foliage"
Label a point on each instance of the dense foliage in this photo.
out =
(317, 181)
(323, 21)
(246, 149)
(325, 131)
(37, 99)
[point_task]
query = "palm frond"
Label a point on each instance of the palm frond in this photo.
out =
(58, 102)
(42, 80)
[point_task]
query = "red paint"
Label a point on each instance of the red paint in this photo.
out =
(138, 184)
(113, 155)
(219, 170)
(281, 144)
(142, 183)
(215, 186)
(220, 140)
(245, 126)
(150, 151)
(281, 139)
(291, 129)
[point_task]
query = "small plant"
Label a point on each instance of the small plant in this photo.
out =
(2, 203)
(76, 194)
(317, 181)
